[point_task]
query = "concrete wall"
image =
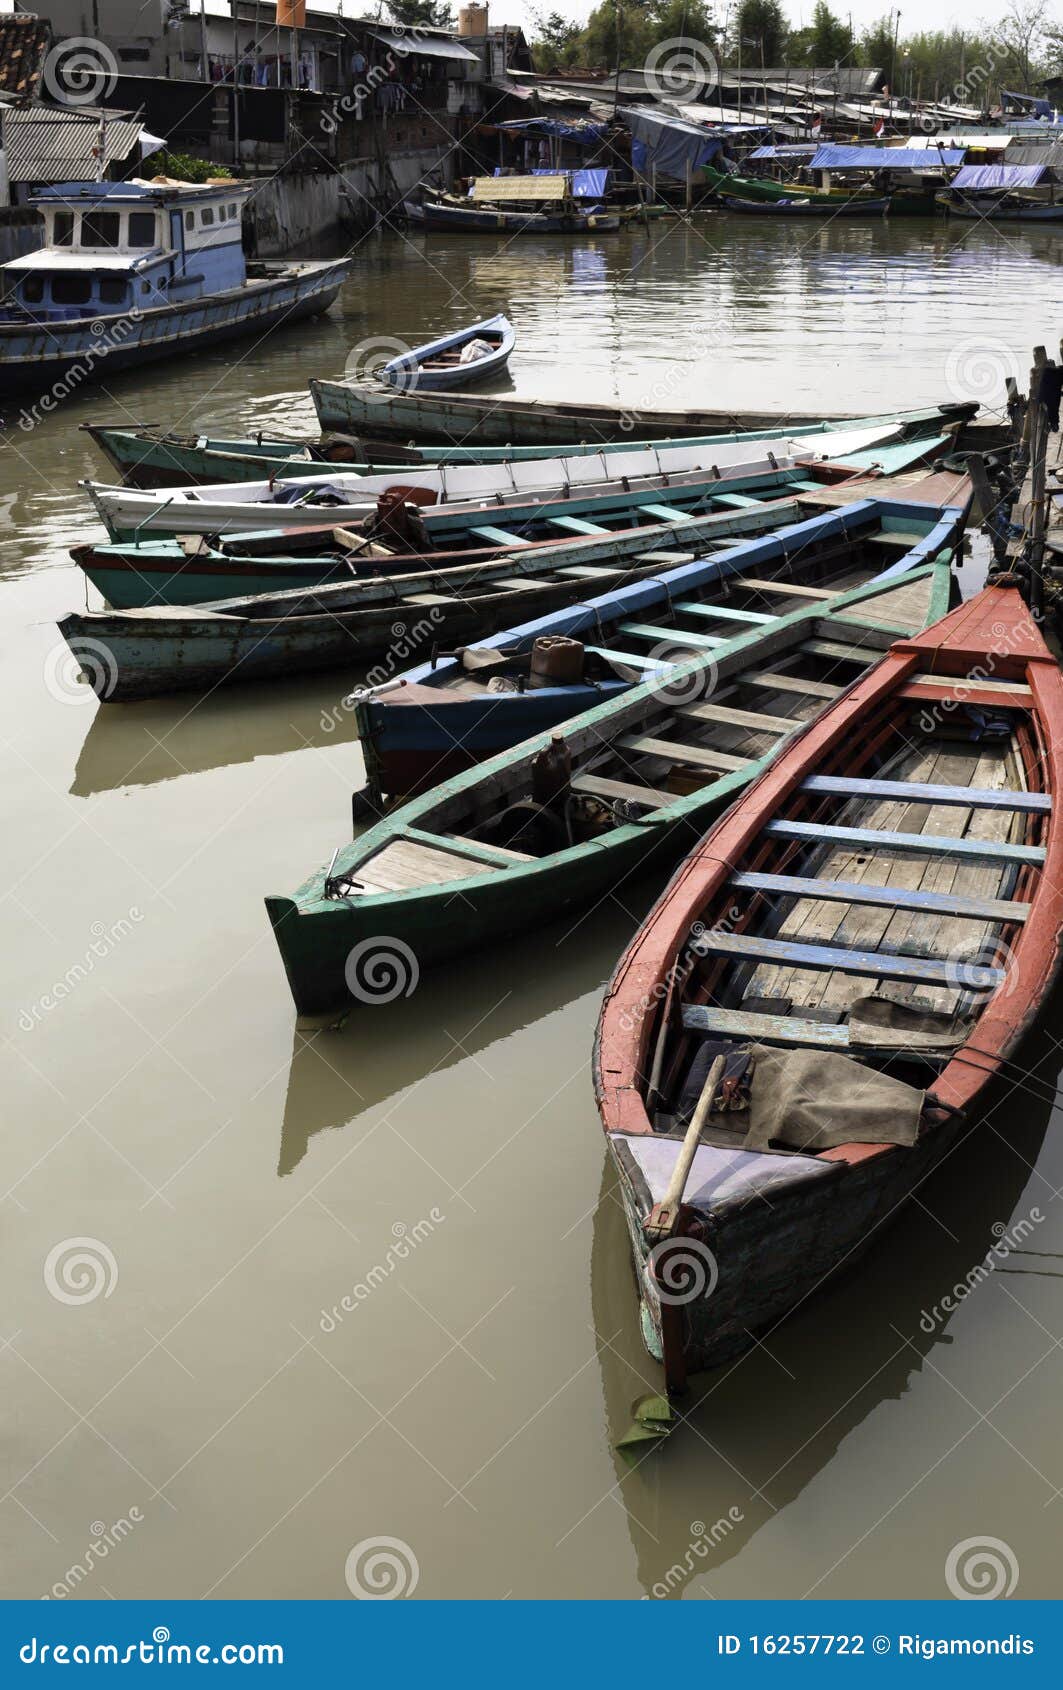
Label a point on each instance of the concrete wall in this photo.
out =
(290, 211)
(361, 179)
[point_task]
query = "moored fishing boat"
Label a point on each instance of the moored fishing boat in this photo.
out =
(196, 570)
(824, 210)
(805, 1025)
(134, 654)
(156, 457)
(134, 271)
(426, 725)
(455, 360)
(557, 823)
(457, 497)
(463, 419)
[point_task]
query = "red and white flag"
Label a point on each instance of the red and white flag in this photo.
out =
(880, 126)
(817, 125)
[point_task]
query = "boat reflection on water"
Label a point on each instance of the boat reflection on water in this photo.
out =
(161, 739)
(764, 1428)
(456, 1013)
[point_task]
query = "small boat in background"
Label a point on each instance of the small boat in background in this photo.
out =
(799, 1033)
(824, 210)
(560, 820)
(455, 360)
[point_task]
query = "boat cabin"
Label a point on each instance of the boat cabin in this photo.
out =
(115, 247)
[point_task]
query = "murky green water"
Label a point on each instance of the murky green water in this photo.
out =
(237, 1181)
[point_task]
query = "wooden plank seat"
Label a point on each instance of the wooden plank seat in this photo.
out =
(791, 683)
(871, 839)
(663, 513)
(1018, 687)
(634, 659)
(919, 792)
(583, 571)
(499, 536)
(754, 719)
(576, 525)
(600, 786)
(498, 856)
(695, 756)
(897, 537)
(837, 652)
(734, 501)
(765, 1029)
(724, 612)
(678, 636)
(881, 897)
(873, 965)
(792, 589)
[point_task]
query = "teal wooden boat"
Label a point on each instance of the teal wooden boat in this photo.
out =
(552, 826)
(136, 654)
(156, 457)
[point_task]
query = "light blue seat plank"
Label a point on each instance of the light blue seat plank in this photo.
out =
(576, 525)
(921, 844)
(973, 797)
(499, 537)
(872, 965)
(632, 658)
(734, 501)
(881, 897)
(725, 612)
(765, 1029)
(663, 513)
(674, 636)
(806, 486)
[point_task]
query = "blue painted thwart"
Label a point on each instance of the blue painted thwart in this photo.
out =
(132, 271)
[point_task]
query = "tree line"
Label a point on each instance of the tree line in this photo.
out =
(1017, 49)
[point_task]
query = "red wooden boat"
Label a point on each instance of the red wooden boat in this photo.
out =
(806, 1022)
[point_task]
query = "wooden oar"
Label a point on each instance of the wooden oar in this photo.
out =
(663, 1218)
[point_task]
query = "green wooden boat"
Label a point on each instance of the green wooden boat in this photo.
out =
(764, 189)
(155, 457)
(554, 824)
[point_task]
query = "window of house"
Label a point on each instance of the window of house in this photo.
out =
(100, 228)
(112, 291)
(71, 290)
(206, 215)
(190, 219)
(142, 228)
(64, 228)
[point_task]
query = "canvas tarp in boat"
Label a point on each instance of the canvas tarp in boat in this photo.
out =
(590, 184)
(587, 134)
(797, 150)
(816, 1100)
(999, 176)
(519, 189)
(667, 144)
(1048, 153)
(835, 157)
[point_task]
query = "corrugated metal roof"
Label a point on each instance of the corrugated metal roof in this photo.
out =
(45, 144)
(24, 44)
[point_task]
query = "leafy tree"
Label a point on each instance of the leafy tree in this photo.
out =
(1022, 30)
(434, 14)
(876, 46)
(557, 41)
(761, 33)
(627, 23)
(831, 40)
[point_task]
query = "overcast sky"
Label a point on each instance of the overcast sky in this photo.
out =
(928, 14)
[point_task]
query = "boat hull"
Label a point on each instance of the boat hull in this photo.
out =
(471, 221)
(57, 354)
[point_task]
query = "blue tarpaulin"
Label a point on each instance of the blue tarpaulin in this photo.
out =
(589, 184)
(800, 150)
(999, 175)
(588, 133)
(667, 144)
(884, 158)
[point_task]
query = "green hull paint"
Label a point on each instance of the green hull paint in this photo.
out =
(415, 929)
